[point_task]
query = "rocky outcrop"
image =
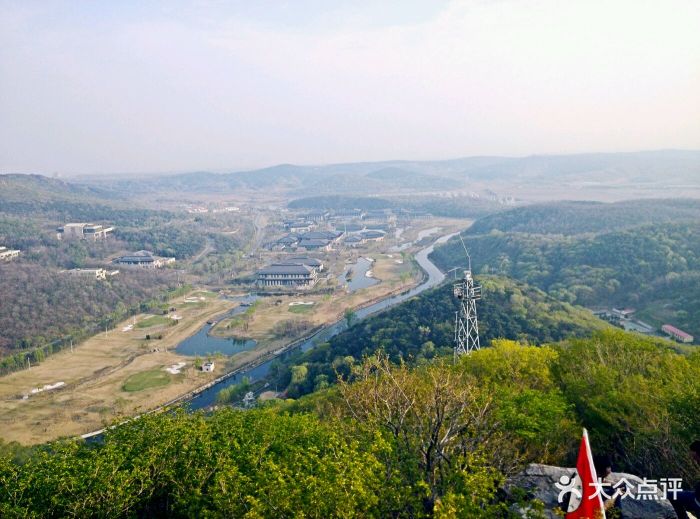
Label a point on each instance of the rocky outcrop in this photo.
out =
(538, 482)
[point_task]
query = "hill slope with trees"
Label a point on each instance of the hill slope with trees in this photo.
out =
(423, 328)
(435, 440)
(653, 268)
(587, 217)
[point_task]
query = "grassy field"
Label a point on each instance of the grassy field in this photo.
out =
(95, 374)
(146, 380)
(154, 320)
(302, 309)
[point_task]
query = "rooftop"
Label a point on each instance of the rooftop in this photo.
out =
(313, 262)
(286, 268)
(680, 333)
(314, 243)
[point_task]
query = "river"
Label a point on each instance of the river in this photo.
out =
(434, 277)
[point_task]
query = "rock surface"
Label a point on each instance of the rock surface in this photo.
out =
(539, 482)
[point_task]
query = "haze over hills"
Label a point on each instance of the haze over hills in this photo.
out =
(659, 172)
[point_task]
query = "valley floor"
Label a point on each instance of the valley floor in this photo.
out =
(119, 373)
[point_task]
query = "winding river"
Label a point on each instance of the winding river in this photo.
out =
(434, 277)
(207, 397)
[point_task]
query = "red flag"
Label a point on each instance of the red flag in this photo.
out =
(590, 505)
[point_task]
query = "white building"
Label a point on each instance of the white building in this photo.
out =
(83, 231)
(208, 366)
(97, 273)
(8, 254)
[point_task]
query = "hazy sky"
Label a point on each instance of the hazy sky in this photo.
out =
(118, 86)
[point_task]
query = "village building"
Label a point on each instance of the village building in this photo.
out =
(8, 254)
(354, 240)
(83, 231)
(315, 244)
(341, 214)
(676, 333)
(351, 226)
(292, 275)
(305, 260)
(316, 216)
(378, 215)
(97, 273)
(624, 313)
(208, 366)
(143, 258)
(331, 236)
(373, 235)
(288, 241)
(299, 226)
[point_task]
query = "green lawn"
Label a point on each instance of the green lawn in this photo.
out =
(146, 379)
(301, 309)
(154, 320)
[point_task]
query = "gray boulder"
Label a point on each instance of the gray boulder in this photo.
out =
(539, 482)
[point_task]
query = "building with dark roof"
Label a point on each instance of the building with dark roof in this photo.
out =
(305, 260)
(372, 235)
(316, 216)
(314, 244)
(322, 235)
(287, 275)
(143, 258)
(354, 240)
(289, 240)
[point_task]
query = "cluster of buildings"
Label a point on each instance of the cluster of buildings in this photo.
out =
(309, 240)
(624, 318)
(326, 240)
(144, 259)
(363, 237)
(83, 231)
(8, 254)
(302, 272)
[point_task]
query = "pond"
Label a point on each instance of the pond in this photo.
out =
(201, 343)
(355, 275)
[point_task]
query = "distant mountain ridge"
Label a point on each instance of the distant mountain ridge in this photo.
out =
(18, 188)
(647, 168)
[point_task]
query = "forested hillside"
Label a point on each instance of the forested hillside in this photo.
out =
(587, 217)
(440, 443)
(654, 268)
(423, 328)
(36, 196)
(40, 306)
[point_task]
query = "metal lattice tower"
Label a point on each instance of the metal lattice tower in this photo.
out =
(466, 323)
